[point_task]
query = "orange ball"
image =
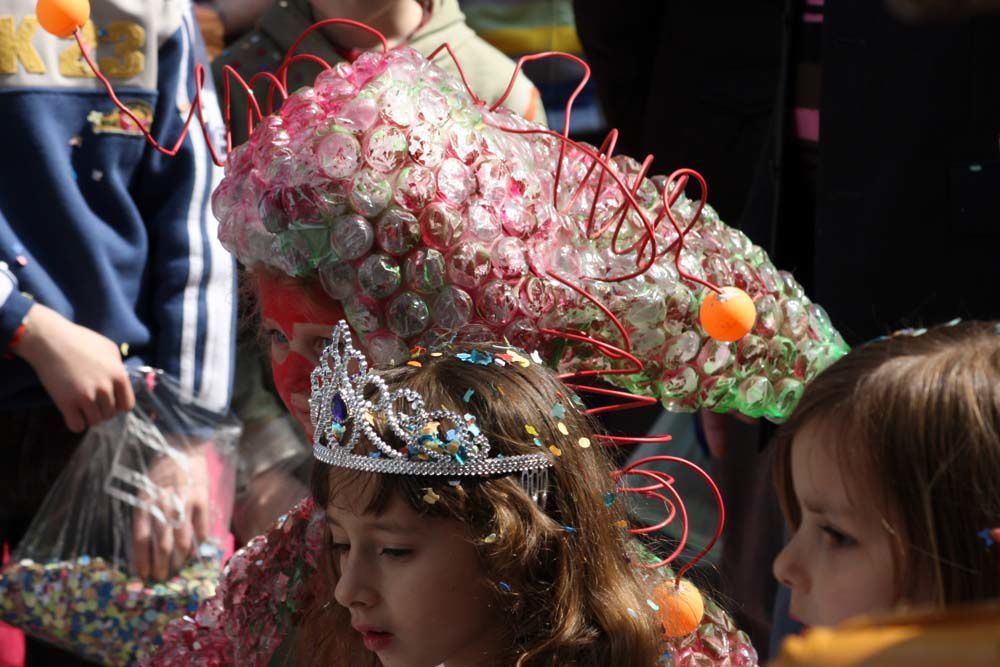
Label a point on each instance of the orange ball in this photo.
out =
(728, 315)
(681, 607)
(62, 17)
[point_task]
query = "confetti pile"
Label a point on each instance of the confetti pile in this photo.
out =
(97, 611)
(424, 212)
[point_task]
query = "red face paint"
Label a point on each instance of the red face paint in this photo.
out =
(290, 307)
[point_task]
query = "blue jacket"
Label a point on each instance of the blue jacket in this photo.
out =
(94, 223)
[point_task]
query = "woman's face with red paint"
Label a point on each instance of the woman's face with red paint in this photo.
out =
(297, 319)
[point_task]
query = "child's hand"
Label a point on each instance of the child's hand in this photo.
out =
(81, 370)
(182, 495)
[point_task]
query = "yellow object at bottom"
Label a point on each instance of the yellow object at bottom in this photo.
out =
(969, 637)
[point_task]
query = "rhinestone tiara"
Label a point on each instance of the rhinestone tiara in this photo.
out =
(436, 442)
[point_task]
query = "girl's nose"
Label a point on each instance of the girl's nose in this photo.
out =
(788, 568)
(356, 585)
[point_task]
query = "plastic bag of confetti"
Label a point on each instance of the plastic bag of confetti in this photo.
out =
(158, 477)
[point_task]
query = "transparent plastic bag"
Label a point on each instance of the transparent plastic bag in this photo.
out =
(72, 580)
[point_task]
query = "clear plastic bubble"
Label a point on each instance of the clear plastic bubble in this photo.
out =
(415, 187)
(424, 271)
(385, 148)
(715, 357)
(469, 264)
(796, 318)
(465, 143)
(678, 384)
(439, 225)
(426, 146)
(408, 315)
(339, 155)
(351, 236)
(524, 334)
(517, 219)
(453, 308)
(455, 181)
(497, 303)
(370, 193)
(386, 350)
(493, 178)
(769, 316)
(379, 276)
(755, 395)
(363, 313)
(272, 212)
(510, 258)
(536, 297)
(396, 105)
(751, 354)
(357, 115)
(432, 107)
(397, 231)
(337, 279)
(682, 348)
(482, 220)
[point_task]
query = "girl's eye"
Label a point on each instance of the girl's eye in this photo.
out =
(396, 553)
(837, 538)
(276, 337)
(341, 547)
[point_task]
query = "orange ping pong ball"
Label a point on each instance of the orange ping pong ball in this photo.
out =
(727, 315)
(62, 17)
(681, 608)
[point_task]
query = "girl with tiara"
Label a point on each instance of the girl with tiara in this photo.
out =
(470, 521)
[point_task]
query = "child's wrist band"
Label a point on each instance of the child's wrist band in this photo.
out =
(16, 339)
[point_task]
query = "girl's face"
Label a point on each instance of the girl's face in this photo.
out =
(839, 562)
(413, 584)
(298, 319)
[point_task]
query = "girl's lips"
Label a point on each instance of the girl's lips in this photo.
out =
(374, 640)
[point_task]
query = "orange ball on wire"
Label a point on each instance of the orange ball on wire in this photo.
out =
(681, 607)
(728, 315)
(62, 17)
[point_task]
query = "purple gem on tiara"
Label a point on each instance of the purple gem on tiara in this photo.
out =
(338, 410)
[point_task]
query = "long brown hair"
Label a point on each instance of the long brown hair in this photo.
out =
(572, 597)
(918, 420)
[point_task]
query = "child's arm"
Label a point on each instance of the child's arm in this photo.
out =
(81, 370)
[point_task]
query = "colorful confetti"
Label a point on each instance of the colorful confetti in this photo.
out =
(430, 497)
(583, 442)
(469, 393)
(97, 611)
(562, 428)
